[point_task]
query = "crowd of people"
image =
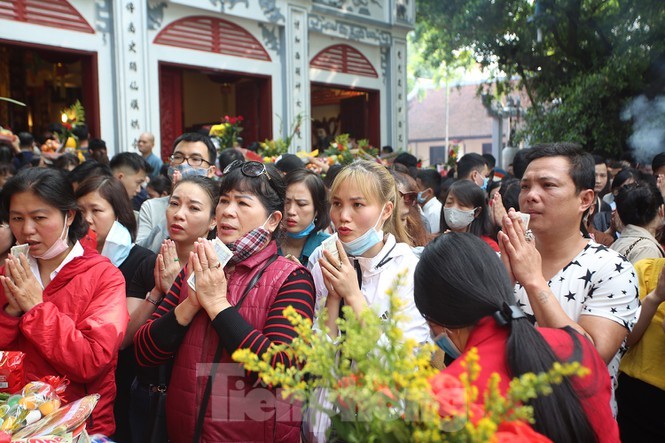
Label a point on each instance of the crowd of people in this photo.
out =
(123, 292)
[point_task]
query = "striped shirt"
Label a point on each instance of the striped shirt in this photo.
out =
(159, 338)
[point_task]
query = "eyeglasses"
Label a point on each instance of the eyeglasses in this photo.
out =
(410, 198)
(249, 169)
(194, 160)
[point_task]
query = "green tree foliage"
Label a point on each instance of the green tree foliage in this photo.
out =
(580, 61)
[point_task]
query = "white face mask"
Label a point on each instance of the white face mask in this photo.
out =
(118, 244)
(458, 219)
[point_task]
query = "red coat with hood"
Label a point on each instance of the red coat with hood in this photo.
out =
(75, 332)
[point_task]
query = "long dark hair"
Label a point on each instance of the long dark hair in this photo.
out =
(317, 190)
(468, 193)
(110, 189)
(460, 280)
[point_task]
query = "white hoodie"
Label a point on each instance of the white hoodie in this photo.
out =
(379, 274)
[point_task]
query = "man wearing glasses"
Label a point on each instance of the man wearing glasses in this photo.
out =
(193, 154)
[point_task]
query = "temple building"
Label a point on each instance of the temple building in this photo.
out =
(173, 66)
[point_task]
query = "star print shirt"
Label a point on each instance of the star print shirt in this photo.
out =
(598, 282)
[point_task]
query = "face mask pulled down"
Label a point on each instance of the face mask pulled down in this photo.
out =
(59, 246)
(304, 233)
(363, 243)
(446, 345)
(118, 244)
(249, 244)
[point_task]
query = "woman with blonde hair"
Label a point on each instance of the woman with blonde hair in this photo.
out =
(373, 248)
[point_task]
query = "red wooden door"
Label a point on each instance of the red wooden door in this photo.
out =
(354, 116)
(248, 105)
(254, 103)
(90, 94)
(170, 105)
(374, 120)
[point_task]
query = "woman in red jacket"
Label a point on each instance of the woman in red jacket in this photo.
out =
(239, 306)
(62, 305)
(463, 290)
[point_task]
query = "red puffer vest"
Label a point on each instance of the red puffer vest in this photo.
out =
(239, 410)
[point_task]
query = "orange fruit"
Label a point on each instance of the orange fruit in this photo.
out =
(49, 406)
(28, 403)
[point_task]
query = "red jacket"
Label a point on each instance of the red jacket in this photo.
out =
(594, 390)
(237, 410)
(76, 332)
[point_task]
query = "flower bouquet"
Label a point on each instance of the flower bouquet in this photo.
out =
(453, 156)
(344, 151)
(340, 150)
(71, 117)
(227, 132)
(380, 387)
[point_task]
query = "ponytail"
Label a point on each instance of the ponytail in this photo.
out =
(458, 281)
(560, 415)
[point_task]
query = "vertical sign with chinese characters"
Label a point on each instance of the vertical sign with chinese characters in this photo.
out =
(398, 79)
(297, 94)
(131, 70)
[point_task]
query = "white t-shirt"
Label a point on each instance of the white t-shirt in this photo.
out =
(432, 211)
(599, 282)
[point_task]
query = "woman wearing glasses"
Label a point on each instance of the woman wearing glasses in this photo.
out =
(239, 305)
(305, 215)
(410, 214)
(373, 249)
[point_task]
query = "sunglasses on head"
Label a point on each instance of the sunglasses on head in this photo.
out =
(410, 198)
(249, 169)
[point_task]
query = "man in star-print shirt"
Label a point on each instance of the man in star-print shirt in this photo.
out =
(564, 279)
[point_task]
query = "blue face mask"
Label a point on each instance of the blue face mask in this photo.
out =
(421, 200)
(363, 243)
(118, 243)
(446, 344)
(302, 234)
(187, 171)
(485, 183)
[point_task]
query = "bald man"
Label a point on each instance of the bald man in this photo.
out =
(145, 144)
